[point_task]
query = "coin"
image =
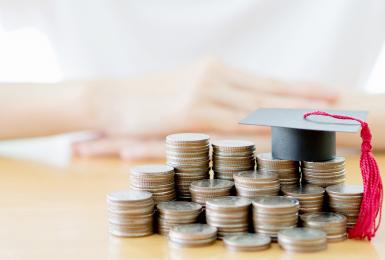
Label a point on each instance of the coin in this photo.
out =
(252, 184)
(188, 154)
(310, 197)
(192, 234)
(130, 213)
(302, 239)
(324, 173)
(333, 224)
(287, 171)
(247, 242)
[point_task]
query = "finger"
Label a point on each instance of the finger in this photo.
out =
(250, 82)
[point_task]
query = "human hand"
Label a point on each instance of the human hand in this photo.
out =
(134, 116)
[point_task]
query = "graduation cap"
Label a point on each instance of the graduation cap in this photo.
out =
(305, 135)
(296, 138)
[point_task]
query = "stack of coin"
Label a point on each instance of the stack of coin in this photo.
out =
(310, 197)
(247, 242)
(346, 199)
(274, 213)
(231, 156)
(333, 224)
(324, 173)
(206, 189)
(251, 184)
(302, 239)
(188, 153)
(228, 214)
(130, 213)
(172, 213)
(191, 235)
(288, 171)
(157, 179)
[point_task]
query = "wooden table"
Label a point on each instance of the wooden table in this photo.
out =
(50, 212)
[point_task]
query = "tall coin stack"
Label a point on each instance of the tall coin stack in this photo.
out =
(192, 235)
(251, 184)
(302, 239)
(172, 213)
(310, 197)
(324, 173)
(130, 213)
(333, 224)
(229, 215)
(288, 171)
(346, 200)
(231, 156)
(188, 154)
(157, 179)
(274, 213)
(203, 190)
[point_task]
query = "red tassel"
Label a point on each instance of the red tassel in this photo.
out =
(369, 218)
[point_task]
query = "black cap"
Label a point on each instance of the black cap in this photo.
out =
(295, 138)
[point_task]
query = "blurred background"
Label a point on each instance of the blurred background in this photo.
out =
(329, 47)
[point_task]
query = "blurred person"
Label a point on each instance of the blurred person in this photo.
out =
(135, 71)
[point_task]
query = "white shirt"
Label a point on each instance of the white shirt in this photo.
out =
(331, 41)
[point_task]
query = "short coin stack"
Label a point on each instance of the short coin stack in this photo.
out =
(228, 214)
(324, 173)
(247, 242)
(346, 199)
(172, 213)
(188, 153)
(203, 190)
(333, 224)
(231, 156)
(310, 197)
(251, 184)
(192, 235)
(130, 213)
(274, 213)
(302, 239)
(157, 179)
(288, 171)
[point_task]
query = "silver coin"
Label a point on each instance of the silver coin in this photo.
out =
(228, 202)
(212, 183)
(275, 202)
(302, 234)
(247, 240)
(179, 206)
(269, 157)
(324, 217)
(233, 144)
(152, 169)
(255, 175)
(187, 138)
(345, 189)
(129, 195)
(303, 190)
(193, 230)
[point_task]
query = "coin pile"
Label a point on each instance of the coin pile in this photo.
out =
(157, 179)
(231, 156)
(130, 213)
(188, 154)
(274, 213)
(324, 173)
(251, 184)
(346, 200)
(203, 190)
(191, 235)
(310, 197)
(247, 242)
(228, 214)
(172, 213)
(288, 171)
(302, 239)
(333, 224)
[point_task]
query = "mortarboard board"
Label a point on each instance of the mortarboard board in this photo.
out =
(295, 138)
